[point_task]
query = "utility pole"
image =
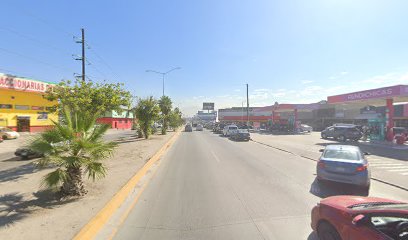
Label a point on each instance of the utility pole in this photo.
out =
(247, 105)
(83, 54)
(82, 58)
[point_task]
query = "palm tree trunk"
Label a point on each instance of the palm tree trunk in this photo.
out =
(74, 185)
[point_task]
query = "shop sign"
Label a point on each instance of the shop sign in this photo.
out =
(22, 107)
(22, 84)
(370, 94)
(37, 108)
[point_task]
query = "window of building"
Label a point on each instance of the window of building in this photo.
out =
(22, 107)
(37, 108)
(6, 106)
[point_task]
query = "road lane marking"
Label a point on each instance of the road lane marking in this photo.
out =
(215, 156)
(399, 170)
(393, 167)
(386, 164)
(93, 227)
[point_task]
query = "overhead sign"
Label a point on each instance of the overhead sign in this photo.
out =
(22, 84)
(208, 106)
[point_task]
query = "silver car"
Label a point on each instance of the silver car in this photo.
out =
(344, 164)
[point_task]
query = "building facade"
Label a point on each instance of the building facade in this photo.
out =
(123, 120)
(22, 105)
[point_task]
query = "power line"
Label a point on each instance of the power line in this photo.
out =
(62, 30)
(35, 40)
(33, 59)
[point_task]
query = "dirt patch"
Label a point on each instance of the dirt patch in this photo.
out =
(29, 212)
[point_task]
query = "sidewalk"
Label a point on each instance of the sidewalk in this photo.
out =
(28, 212)
(388, 164)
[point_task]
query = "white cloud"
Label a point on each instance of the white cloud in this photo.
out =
(306, 81)
(344, 73)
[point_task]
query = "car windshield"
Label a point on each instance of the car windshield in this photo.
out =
(342, 154)
(233, 128)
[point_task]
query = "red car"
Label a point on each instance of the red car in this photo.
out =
(360, 218)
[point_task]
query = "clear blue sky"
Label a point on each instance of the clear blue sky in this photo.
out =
(287, 50)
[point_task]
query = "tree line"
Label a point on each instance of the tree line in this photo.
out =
(75, 146)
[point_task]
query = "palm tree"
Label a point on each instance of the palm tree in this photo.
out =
(72, 147)
(147, 112)
(165, 105)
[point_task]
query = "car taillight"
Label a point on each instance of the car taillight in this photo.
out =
(321, 164)
(362, 168)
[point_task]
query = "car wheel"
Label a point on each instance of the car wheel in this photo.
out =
(341, 138)
(365, 191)
(326, 231)
(324, 135)
(5, 137)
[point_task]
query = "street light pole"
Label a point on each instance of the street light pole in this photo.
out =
(163, 74)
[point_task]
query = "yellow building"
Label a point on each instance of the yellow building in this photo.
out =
(22, 106)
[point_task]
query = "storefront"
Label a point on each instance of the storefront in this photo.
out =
(374, 107)
(123, 120)
(22, 105)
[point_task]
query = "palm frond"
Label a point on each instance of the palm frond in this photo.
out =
(55, 178)
(98, 132)
(95, 170)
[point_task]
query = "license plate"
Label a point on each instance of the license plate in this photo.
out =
(340, 169)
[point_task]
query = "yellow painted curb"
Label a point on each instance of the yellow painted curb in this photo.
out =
(91, 229)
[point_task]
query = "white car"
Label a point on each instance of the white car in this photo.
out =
(305, 128)
(229, 129)
(8, 133)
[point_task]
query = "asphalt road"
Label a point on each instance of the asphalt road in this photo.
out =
(208, 187)
(387, 163)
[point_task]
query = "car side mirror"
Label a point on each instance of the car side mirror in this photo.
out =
(366, 153)
(359, 220)
(321, 150)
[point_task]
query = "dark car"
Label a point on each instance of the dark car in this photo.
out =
(219, 128)
(241, 135)
(342, 133)
(27, 153)
(188, 128)
(358, 218)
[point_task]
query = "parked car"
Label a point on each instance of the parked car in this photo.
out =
(305, 128)
(400, 131)
(188, 128)
(344, 164)
(358, 218)
(27, 153)
(241, 135)
(8, 133)
(342, 133)
(199, 127)
(1, 139)
(219, 129)
(229, 129)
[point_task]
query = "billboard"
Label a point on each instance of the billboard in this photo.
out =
(208, 106)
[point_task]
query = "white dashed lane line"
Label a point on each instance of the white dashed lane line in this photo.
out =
(387, 165)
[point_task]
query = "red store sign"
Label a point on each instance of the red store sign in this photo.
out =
(21, 84)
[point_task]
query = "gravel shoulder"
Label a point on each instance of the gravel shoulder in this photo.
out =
(29, 212)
